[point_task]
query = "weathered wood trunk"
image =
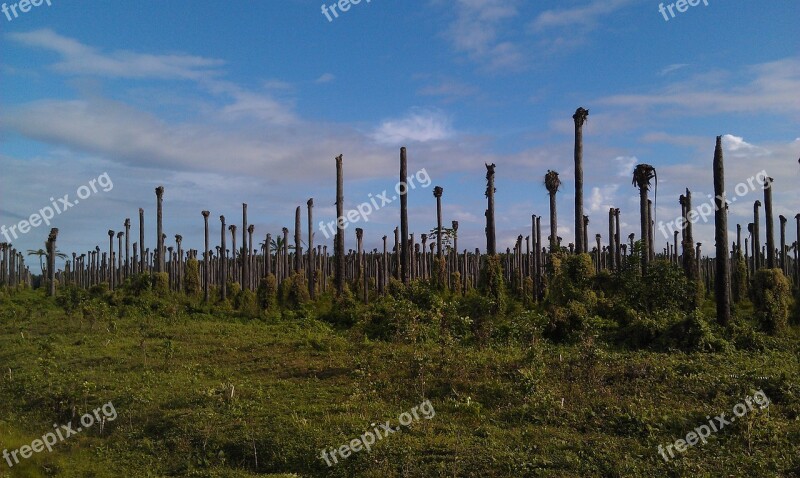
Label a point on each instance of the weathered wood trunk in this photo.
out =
(491, 244)
(581, 244)
(723, 272)
(404, 252)
(770, 223)
(339, 240)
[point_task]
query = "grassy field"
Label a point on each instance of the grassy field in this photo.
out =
(208, 392)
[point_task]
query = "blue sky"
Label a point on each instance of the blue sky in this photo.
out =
(244, 101)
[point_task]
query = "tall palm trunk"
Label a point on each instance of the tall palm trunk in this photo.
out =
(234, 251)
(298, 247)
(245, 250)
(579, 118)
(250, 230)
(641, 178)
(796, 247)
(223, 268)
(206, 261)
(312, 268)
(142, 255)
(51, 261)
(612, 264)
(159, 229)
(723, 279)
(437, 193)
(110, 271)
(339, 240)
(756, 236)
(782, 220)
(403, 216)
(552, 183)
(127, 225)
(770, 223)
(491, 244)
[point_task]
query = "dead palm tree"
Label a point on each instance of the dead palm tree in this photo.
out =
(770, 223)
(403, 216)
(723, 279)
(206, 261)
(491, 243)
(579, 117)
(339, 240)
(642, 175)
(159, 229)
(552, 183)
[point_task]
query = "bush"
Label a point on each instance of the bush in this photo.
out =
(490, 283)
(267, 292)
(161, 283)
(572, 278)
(772, 298)
(294, 291)
(739, 279)
(666, 330)
(567, 323)
(395, 319)
(245, 301)
(191, 278)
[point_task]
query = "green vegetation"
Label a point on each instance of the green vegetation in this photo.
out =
(588, 383)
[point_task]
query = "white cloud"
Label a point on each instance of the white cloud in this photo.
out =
(325, 78)
(477, 31)
(80, 59)
(584, 16)
(767, 87)
(418, 126)
(670, 68)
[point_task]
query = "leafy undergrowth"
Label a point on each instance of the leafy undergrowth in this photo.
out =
(205, 393)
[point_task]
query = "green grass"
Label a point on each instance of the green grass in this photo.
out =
(204, 393)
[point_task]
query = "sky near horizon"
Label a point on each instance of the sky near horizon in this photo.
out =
(230, 102)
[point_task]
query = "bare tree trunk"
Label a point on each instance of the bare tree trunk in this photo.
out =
(770, 223)
(142, 256)
(404, 252)
(581, 244)
(224, 260)
(723, 272)
(491, 244)
(756, 236)
(159, 229)
(51, 261)
(312, 268)
(339, 240)
(110, 275)
(245, 250)
(206, 257)
(783, 244)
(298, 246)
(645, 227)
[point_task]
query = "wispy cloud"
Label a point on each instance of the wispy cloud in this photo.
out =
(670, 68)
(767, 87)
(477, 31)
(585, 16)
(325, 78)
(80, 59)
(421, 125)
